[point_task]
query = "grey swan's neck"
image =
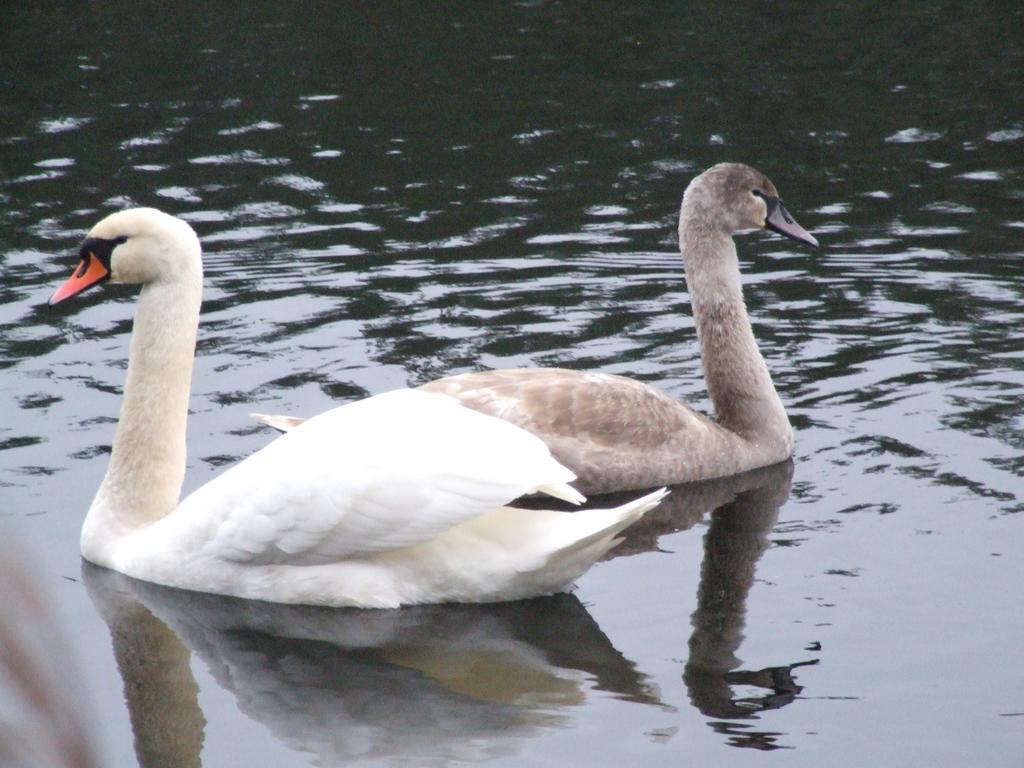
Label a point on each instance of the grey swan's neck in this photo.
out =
(738, 382)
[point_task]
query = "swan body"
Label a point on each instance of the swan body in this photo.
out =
(619, 434)
(396, 499)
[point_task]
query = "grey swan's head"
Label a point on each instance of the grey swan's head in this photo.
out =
(732, 197)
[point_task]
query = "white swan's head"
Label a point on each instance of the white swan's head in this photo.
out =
(735, 197)
(137, 245)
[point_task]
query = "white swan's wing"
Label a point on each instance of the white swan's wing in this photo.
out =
(380, 474)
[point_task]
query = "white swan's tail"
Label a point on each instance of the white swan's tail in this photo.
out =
(577, 540)
(605, 524)
(518, 553)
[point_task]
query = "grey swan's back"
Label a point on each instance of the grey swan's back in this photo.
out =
(619, 434)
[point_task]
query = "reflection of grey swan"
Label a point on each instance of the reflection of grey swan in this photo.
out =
(427, 684)
(619, 434)
(735, 540)
(395, 499)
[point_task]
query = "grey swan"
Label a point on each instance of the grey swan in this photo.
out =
(618, 434)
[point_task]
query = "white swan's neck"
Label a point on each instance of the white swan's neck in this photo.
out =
(147, 463)
(738, 381)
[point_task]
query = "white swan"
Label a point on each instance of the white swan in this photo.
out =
(392, 500)
(619, 434)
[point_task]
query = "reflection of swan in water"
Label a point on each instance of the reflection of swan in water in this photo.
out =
(735, 540)
(742, 510)
(434, 683)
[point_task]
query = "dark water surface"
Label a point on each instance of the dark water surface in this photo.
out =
(389, 193)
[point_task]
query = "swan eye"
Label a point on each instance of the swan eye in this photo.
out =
(120, 240)
(757, 193)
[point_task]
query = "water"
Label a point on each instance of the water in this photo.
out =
(387, 194)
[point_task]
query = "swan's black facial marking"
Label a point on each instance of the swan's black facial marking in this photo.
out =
(100, 248)
(95, 254)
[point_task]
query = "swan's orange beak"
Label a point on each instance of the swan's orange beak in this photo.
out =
(89, 272)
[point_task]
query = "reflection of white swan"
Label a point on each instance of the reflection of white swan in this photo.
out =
(424, 685)
(395, 499)
(618, 434)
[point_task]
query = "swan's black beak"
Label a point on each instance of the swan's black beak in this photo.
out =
(88, 273)
(779, 220)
